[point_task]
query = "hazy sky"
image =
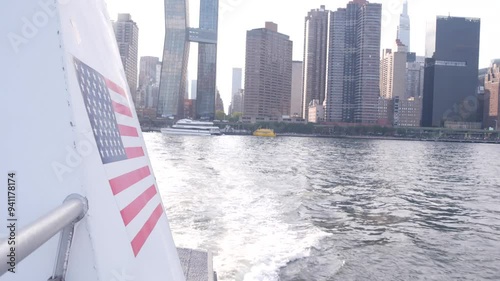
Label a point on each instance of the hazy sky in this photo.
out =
(238, 16)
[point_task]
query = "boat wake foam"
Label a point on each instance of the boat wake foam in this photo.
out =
(286, 250)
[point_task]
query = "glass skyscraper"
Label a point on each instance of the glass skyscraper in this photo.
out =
(207, 61)
(176, 55)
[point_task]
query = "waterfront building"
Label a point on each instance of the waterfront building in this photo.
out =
(407, 112)
(315, 57)
(353, 71)
(297, 86)
(316, 112)
(282, 119)
(268, 73)
(451, 72)
(127, 37)
(491, 97)
(385, 111)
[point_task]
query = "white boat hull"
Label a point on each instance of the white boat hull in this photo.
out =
(170, 131)
(88, 142)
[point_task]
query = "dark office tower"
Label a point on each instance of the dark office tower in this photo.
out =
(127, 37)
(354, 52)
(315, 56)
(175, 59)
(450, 83)
(268, 73)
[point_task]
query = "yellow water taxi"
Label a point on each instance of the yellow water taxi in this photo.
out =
(264, 133)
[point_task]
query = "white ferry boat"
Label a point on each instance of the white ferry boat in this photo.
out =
(192, 127)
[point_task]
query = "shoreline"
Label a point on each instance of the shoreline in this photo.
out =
(390, 138)
(358, 137)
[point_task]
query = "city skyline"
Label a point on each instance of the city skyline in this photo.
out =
(238, 16)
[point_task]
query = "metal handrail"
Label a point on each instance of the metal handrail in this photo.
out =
(31, 237)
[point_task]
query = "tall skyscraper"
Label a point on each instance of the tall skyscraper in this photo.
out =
(315, 56)
(147, 70)
(415, 77)
(297, 86)
(268, 73)
(147, 81)
(175, 59)
(237, 80)
(127, 37)
(393, 72)
(237, 102)
(354, 64)
(207, 59)
(492, 100)
(235, 91)
(451, 74)
(338, 85)
(404, 26)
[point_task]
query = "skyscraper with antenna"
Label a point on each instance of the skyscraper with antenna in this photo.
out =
(404, 26)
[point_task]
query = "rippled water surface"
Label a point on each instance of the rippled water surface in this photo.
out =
(326, 209)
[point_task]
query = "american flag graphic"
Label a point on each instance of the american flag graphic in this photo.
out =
(122, 153)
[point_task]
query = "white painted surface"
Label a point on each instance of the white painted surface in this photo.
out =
(43, 115)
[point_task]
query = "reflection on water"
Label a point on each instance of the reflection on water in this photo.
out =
(326, 209)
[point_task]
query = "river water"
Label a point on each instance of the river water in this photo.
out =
(328, 209)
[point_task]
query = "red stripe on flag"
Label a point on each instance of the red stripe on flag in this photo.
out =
(134, 208)
(134, 152)
(127, 131)
(125, 181)
(115, 88)
(122, 109)
(142, 236)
